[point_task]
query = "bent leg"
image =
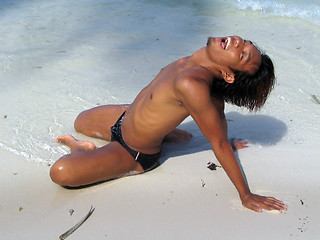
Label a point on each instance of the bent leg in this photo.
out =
(97, 122)
(83, 167)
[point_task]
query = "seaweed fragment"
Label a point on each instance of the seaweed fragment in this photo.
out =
(212, 166)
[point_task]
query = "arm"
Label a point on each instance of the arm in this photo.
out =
(195, 96)
(236, 144)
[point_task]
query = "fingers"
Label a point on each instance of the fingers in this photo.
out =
(238, 144)
(274, 204)
(258, 203)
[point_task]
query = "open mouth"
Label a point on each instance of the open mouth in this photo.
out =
(225, 42)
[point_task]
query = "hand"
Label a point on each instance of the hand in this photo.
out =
(237, 144)
(257, 203)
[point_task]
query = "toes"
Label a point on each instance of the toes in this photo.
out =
(66, 139)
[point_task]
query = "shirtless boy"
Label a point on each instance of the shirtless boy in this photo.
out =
(228, 69)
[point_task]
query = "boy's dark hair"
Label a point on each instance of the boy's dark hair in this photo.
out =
(247, 90)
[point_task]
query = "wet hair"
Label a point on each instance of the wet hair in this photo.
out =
(247, 90)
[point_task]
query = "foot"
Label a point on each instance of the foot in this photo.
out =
(179, 136)
(74, 144)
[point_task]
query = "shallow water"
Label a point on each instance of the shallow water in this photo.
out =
(59, 57)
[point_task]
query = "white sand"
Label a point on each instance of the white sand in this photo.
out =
(56, 61)
(168, 203)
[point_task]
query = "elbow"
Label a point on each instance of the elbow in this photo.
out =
(221, 145)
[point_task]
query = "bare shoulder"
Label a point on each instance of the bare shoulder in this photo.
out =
(191, 79)
(193, 91)
(192, 87)
(196, 73)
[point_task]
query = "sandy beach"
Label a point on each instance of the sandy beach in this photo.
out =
(59, 58)
(182, 199)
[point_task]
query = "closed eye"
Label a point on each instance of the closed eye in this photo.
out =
(248, 54)
(242, 54)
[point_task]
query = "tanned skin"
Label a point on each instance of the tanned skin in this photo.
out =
(181, 89)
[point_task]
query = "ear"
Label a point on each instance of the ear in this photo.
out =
(228, 75)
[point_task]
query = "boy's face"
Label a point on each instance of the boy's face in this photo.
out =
(235, 53)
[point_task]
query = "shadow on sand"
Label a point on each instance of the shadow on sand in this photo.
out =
(255, 128)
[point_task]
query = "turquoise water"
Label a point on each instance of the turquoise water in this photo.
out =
(308, 10)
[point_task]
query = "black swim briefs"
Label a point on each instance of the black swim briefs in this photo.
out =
(147, 161)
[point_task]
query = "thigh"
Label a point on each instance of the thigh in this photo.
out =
(87, 167)
(97, 122)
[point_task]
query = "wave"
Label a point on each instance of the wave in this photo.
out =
(305, 10)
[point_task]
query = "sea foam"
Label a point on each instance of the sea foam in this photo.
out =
(305, 10)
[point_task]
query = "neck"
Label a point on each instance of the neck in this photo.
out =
(202, 59)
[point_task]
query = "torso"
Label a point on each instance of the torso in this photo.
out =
(157, 110)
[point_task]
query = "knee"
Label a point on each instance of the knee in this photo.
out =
(79, 122)
(61, 173)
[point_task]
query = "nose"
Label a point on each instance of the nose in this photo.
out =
(237, 41)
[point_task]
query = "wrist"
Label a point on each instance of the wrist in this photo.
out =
(244, 195)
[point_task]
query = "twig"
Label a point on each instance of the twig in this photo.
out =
(75, 227)
(315, 99)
